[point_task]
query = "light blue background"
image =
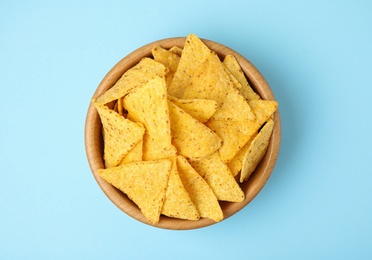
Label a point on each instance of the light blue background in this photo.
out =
(317, 57)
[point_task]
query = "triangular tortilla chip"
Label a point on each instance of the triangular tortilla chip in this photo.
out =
(169, 59)
(200, 192)
(263, 109)
(256, 150)
(134, 155)
(120, 135)
(145, 184)
(145, 70)
(233, 66)
(194, 53)
(191, 138)
(178, 203)
(200, 109)
(234, 134)
(148, 105)
(219, 178)
(235, 165)
(176, 50)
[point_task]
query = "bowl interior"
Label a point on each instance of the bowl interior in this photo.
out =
(94, 141)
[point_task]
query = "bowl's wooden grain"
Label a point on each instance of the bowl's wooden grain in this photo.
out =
(94, 146)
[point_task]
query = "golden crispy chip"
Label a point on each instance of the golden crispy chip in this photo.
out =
(209, 81)
(234, 134)
(234, 107)
(256, 150)
(263, 109)
(120, 134)
(120, 108)
(212, 81)
(219, 178)
(176, 50)
(169, 59)
(145, 70)
(134, 155)
(191, 138)
(200, 192)
(235, 165)
(200, 109)
(178, 203)
(233, 66)
(145, 184)
(194, 53)
(148, 105)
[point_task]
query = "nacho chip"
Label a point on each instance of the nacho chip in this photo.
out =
(191, 138)
(148, 105)
(218, 176)
(234, 134)
(169, 59)
(233, 66)
(234, 107)
(256, 150)
(176, 50)
(120, 135)
(145, 70)
(145, 184)
(194, 53)
(200, 192)
(200, 109)
(178, 203)
(263, 109)
(235, 165)
(134, 155)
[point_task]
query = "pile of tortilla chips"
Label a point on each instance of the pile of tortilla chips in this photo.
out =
(181, 130)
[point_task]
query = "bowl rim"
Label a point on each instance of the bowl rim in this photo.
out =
(94, 144)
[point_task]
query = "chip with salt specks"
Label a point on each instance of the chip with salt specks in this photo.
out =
(200, 109)
(192, 139)
(194, 54)
(219, 177)
(178, 203)
(236, 163)
(144, 183)
(176, 50)
(169, 59)
(233, 66)
(200, 192)
(145, 70)
(120, 135)
(234, 134)
(256, 150)
(148, 105)
(134, 155)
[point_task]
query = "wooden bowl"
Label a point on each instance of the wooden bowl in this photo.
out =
(94, 141)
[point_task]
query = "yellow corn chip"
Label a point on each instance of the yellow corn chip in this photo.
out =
(134, 155)
(191, 138)
(263, 109)
(256, 150)
(169, 59)
(200, 192)
(194, 53)
(235, 165)
(234, 134)
(145, 70)
(148, 105)
(234, 107)
(176, 50)
(145, 184)
(178, 203)
(120, 135)
(233, 66)
(219, 178)
(200, 109)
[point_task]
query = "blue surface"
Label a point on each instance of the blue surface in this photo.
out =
(316, 55)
